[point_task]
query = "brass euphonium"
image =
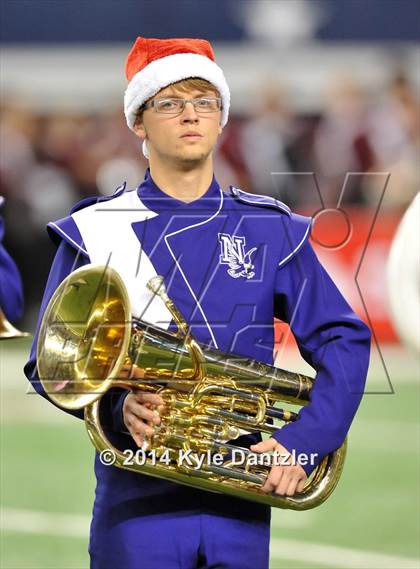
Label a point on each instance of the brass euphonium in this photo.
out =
(88, 335)
(7, 330)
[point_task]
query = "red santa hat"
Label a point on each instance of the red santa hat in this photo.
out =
(153, 64)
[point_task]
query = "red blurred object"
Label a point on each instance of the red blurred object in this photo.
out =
(368, 239)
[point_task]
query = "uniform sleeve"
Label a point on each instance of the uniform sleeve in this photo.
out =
(66, 260)
(335, 342)
(11, 295)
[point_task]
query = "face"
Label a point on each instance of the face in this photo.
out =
(167, 135)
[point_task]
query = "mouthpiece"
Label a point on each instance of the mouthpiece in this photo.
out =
(157, 286)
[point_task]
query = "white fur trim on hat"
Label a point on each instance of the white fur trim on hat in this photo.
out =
(144, 149)
(170, 69)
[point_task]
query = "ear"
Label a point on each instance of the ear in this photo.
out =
(139, 130)
(220, 129)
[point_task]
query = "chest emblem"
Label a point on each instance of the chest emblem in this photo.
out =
(232, 253)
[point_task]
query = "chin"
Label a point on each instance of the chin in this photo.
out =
(193, 157)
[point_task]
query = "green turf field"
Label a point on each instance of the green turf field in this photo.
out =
(372, 519)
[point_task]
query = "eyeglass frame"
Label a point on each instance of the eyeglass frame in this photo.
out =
(152, 104)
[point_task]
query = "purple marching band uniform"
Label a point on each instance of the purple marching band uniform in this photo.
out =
(11, 295)
(231, 262)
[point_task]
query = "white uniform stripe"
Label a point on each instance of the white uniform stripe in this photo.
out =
(296, 249)
(182, 272)
(107, 232)
(68, 238)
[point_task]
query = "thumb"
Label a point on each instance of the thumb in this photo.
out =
(264, 446)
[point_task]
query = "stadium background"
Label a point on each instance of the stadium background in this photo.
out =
(323, 87)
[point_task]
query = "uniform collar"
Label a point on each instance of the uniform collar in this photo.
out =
(155, 199)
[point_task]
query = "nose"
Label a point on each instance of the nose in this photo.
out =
(189, 113)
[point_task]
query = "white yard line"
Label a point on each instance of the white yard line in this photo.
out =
(380, 435)
(390, 425)
(77, 526)
(30, 521)
(283, 519)
(332, 556)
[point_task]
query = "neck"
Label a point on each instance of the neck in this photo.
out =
(183, 183)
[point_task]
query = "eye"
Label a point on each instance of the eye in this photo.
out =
(204, 103)
(207, 104)
(168, 104)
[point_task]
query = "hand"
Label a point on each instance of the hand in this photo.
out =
(140, 408)
(282, 480)
(141, 414)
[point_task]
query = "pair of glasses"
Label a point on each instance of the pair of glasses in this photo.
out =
(175, 105)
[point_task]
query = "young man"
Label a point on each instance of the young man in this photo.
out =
(231, 262)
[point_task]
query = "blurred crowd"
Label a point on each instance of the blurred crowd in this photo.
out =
(50, 161)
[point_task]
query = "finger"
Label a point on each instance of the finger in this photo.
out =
(263, 446)
(273, 479)
(145, 414)
(301, 485)
(137, 372)
(144, 397)
(124, 374)
(137, 436)
(138, 439)
(131, 371)
(140, 427)
(142, 412)
(291, 489)
(281, 488)
(153, 407)
(160, 409)
(267, 487)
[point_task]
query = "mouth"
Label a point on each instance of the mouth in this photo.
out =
(191, 136)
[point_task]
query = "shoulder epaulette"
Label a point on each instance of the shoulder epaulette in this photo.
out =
(259, 200)
(67, 229)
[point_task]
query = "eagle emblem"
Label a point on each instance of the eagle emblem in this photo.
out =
(232, 253)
